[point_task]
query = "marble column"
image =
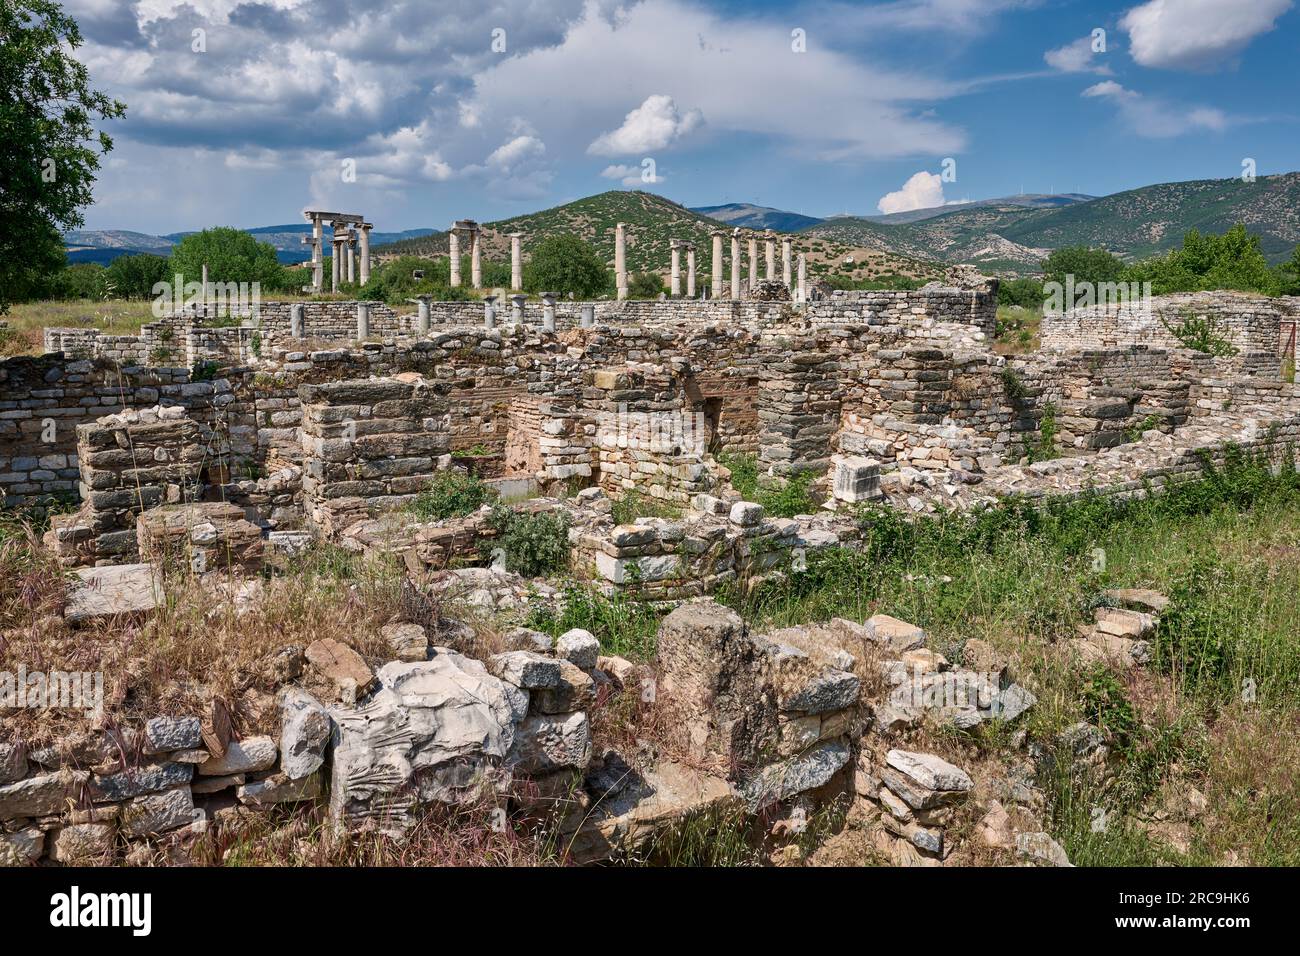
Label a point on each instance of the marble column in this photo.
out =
(422, 319)
(548, 311)
(785, 260)
(803, 279)
(516, 262)
(588, 320)
(363, 321)
(620, 259)
(317, 256)
(336, 244)
(769, 256)
(717, 263)
(351, 258)
(365, 252)
(453, 251)
(297, 316)
(735, 264)
(489, 312)
(476, 259)
(690, 271)
(753, 262)
(676, 286)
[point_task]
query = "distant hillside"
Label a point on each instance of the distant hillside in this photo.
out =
(1132, 224)
(757, 217)
(653, 222)
(105, 245)
(1027, 200)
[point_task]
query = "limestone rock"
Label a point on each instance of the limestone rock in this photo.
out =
(39, 795)
(81, 844)
(157, 812)
(13, 763)
(407, 642)
(807, 771)
(898, 636)
(340, 664)
(113, 590)
(242, 756)
(305, 729)
(134, 781)
(22, 848)
(526, 669)
(1041, 849)
(578, 646)
(162, 734)
(574, 690)
(280, 788)
(544, 743)
(928, 771)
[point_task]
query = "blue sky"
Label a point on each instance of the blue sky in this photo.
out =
(246, 113)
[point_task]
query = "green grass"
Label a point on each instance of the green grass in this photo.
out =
(784, 500)
(635, 505)
(623, 626)
(451, 494)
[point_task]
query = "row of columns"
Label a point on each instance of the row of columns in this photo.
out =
(350, 248)
(677, 246)
(517, 300)
(474, 233)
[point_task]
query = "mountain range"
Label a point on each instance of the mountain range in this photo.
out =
(1010, 234)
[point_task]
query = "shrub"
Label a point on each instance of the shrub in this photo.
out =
(564, 264)
(1200, 333)
(451, 494)
(534, 542)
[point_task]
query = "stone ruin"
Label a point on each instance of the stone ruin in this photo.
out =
(894, 399)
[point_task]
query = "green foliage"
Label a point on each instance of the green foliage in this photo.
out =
(1233, 260)
(623, 626)
(889, 280)
(1013, 385)
(1199, 333)
(134, 276)
(394, 282)
(231, 255)
(534, 542)
(48, 114)
(790, 498)
(451, 494)
(81, 280)
(1106, 707)
(1026, 293)
(645, 285)
(1084, 264)
(1044, 448)
(744, 473)
(202, 371)
(635, 505)
(1288, 274)
(564, 264)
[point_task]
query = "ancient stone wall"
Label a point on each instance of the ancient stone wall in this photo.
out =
(1250, 323)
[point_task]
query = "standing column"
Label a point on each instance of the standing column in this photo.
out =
(363, 321)
(717, 263)
(365, 252)
(753, 262)
(785, 260)
(336, 244)
(351, 260)
(422, 318)
(516, 262)
(517, 308)
(548, 311)
(297, 311)
(690, 271)
(620, 259)
(588, 319)
(489, 312)
(453, 250)
(476, 260)
(317, 256)
(676, 286)
(735, 263)
(803, 279)
(769, 255)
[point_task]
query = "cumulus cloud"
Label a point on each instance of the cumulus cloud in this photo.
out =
(633, 176)
(653, 125)
(921, 191)
(1197, 34)
(1076, 57)
(1156, 118)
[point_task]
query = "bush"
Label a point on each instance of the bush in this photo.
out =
(645, 285)
(1085, 264)
(1230, 261)
(565, 264)
(83, 280)
(133, 277)
(534, 542)
(231, 255)
(1026, 293)
(451, 494)
(395, 282)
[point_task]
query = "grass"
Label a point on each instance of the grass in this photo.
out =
(784, 500)
(635, 505)
(451, 494)
(1017, 331)
(112, 316)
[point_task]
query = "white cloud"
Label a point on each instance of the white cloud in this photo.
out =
(1076, 57)
(651, 126)
(630, 175)
(1197, 34)
(922, 191)
(731, 70)
(1156, 118)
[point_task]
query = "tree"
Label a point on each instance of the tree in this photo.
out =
(1208, 261)
(47, 114)
(1289, 274)
(231, 255)
(395, 281)
(565, 264)
(1083, 263)
(645, 285)
(133, 276)
(81, 280)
